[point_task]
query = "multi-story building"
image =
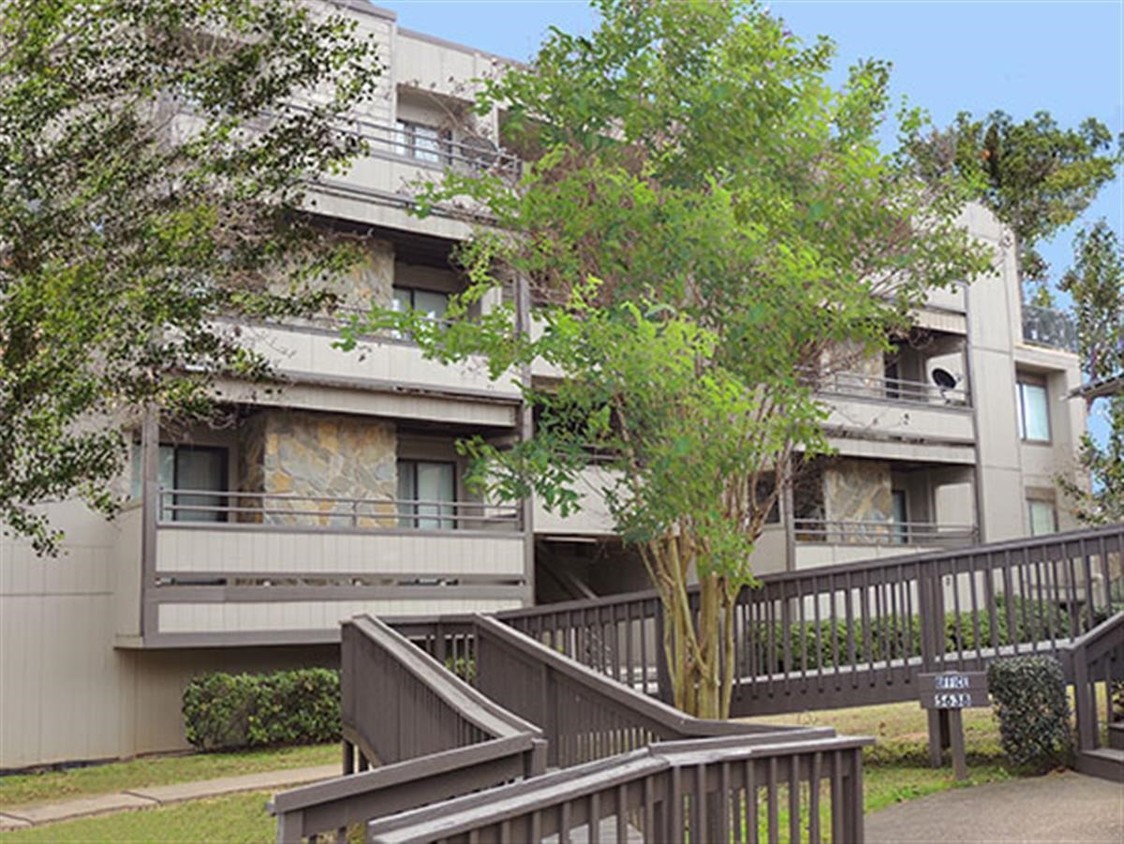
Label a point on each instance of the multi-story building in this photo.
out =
(341, 492)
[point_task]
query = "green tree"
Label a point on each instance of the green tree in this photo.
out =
(154, 156)
(1036, 176)
(700, 220)
(1096, 283)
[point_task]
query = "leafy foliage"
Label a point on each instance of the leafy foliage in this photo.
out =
(1036, 176)
(256, 710)
(1029, 698)
(811, 645)
(153, 160)
(1096, 283)
(700, 218)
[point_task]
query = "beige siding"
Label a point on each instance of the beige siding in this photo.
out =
(935, 422)
(951, 299)
(592, 519)
(354, 399)
(812, 555)
(235, 550)
(297, 352)
(305, 615)
(126, 564)
(61, 684)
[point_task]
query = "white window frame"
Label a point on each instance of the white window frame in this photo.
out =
(423, 142)
(1023, 386)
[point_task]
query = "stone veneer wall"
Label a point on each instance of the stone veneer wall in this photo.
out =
(370, 282)
(334, 456)
(251, 466)
(858, 490)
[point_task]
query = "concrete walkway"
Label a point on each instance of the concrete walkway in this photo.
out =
(21, 817)
(1056, 808)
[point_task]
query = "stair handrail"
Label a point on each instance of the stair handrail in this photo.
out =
(1078, 659)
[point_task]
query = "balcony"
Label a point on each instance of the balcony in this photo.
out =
(1049, 327)
(858, 385)
(870, 406)
(378, 186)
(239, 568)
(309, 349)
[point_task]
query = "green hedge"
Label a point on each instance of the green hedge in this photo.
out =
(255, 710)
(1029, 697)
(897, 638)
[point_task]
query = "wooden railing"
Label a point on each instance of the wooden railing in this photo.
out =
(708, 790)
(1095, 659)
(858, 633)
(585, 715)
(436, 736)
(439, 737)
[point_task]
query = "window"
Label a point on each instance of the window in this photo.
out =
(425, 143)
(432, 303)
(187, 467)
(426, 492)
(1034, 410)
(1043, 517)
(900, 506)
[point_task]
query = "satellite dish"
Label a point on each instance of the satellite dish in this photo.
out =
(943, 378)
(479, 150)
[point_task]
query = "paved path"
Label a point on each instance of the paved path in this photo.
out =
(20, 817)
(1056, 808)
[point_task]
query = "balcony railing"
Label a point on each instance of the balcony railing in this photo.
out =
(1048, 327)
(856, 532)
(469, 154)
(215, 508)
(858, 385)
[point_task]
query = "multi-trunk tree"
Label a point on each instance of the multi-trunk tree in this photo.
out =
(700, 219)
(154, 156)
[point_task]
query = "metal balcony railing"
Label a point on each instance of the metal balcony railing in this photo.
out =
(1048, 327)
(326, 512)
(856, 532)
(858, 385)
(465, 154)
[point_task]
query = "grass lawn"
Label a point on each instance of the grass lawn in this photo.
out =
(237, 819)
(896, 769)
(50, 786)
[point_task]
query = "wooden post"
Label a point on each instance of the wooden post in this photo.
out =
(956, 736)
(943, 696)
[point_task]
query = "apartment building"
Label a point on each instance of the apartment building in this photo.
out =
(245, 542)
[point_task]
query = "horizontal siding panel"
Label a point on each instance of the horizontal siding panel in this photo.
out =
(254, 550)
(307, 615)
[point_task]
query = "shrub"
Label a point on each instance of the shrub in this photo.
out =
(813, 646)
(1029, 696)
(255, 710)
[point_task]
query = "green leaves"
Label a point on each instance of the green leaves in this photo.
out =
(153, 162)
(1029, 694)
(701, 216)
(1096, 283)
(1036, 176)
(233, 711)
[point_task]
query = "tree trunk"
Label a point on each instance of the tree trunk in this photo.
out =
(698, 634)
